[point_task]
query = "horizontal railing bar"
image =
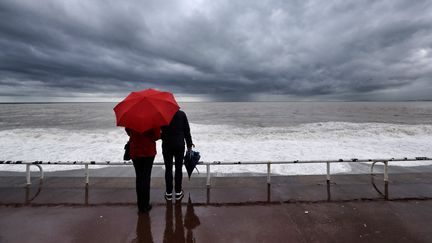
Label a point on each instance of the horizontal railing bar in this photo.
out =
(225, 163)
(208, 164)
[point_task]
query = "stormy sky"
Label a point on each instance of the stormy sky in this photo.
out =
(60, 50)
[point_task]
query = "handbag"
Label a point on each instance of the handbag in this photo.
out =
(126, 155)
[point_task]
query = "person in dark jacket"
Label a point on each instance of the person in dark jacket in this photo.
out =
(142, 153)
(173, 146)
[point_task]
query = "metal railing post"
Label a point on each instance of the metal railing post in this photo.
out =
(208, 175)
(86, 175)
(385, 171)
(268, 173)
(328, 171)
(28, 174)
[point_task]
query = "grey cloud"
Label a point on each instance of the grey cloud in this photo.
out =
(226, 50)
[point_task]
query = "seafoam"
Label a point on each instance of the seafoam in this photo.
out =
(313, 141)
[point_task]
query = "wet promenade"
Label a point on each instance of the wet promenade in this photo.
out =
(352, 208)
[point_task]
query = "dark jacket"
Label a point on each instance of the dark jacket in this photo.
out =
(175, 134)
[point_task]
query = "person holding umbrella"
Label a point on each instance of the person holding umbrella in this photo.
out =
(142, 113)
(173, 147)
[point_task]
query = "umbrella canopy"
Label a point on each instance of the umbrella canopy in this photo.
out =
(191, 159)
(146, 109)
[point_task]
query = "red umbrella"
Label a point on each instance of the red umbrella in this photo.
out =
(146, 109)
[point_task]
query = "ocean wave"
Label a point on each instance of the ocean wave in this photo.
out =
(313, 141)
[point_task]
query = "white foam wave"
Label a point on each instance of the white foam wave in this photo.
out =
(329, 140)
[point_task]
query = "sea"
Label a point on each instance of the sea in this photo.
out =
(227, 132)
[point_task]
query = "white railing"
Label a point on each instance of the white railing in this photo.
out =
(216, 163)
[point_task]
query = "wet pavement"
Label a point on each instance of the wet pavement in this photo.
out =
(352, 208)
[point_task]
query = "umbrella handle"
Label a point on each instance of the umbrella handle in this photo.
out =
(190, 153)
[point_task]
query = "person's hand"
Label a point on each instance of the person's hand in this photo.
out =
(189, 148)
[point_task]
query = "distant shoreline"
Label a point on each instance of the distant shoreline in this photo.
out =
(299, 101)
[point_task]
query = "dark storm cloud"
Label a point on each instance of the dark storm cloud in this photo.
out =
(222, 49)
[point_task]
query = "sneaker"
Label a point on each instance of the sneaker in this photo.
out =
(179, 195)
(168, 196)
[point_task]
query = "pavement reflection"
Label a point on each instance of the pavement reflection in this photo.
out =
(178, 228)
(175, 228)
(143, 229)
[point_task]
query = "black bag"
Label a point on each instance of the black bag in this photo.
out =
(126, 155)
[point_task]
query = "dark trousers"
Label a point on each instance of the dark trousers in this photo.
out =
(170, 152)
(143, 167)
